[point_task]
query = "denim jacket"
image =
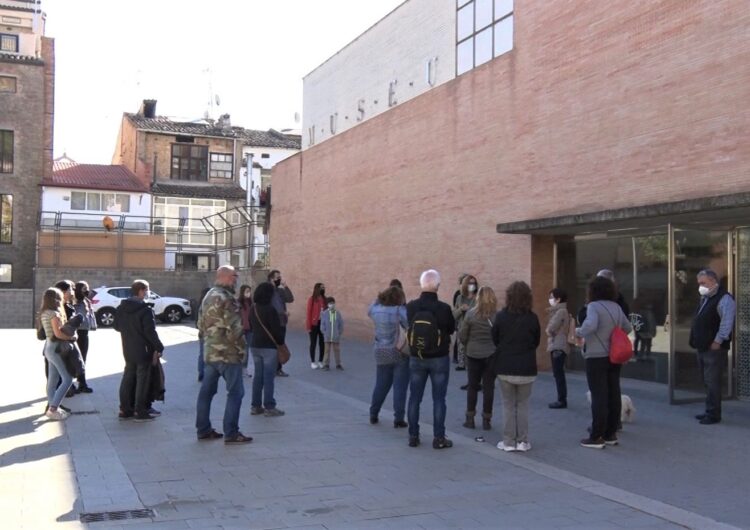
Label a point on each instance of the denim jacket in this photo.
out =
(387, 319)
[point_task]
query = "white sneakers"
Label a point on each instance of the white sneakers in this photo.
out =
(320, 364)
(314, 366)
(523, 446)
(520, 446)
(57, 415)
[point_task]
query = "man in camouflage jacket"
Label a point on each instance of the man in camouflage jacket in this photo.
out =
(224, 348)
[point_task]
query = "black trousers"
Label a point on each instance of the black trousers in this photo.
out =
(558, 370)
(481, 377)
(603, 378)
(83, 345)
(316, 336)
(134, 388)
(711, 364)
(283, 337)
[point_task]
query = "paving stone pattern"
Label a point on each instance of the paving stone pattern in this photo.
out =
(320, 466)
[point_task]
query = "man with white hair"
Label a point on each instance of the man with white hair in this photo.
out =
(620, 300)
(711, 336)
(431, 324)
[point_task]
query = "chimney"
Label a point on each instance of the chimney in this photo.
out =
(148, 108)
(225, 123)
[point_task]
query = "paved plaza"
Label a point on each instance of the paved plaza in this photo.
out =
(324, 466)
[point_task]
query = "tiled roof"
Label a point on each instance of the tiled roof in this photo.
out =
(198, 191)
(94, 176)
(22, 59)
(270, 138)
(11, 7)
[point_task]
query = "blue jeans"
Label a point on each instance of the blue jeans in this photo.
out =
(201, 361)
(438, 370)
(232, 374)
(264, 361)
(57, 374)
(397, 376)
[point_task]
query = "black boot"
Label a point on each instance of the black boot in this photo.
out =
(469, 423)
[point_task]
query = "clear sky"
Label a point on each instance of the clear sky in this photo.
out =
(111, 54)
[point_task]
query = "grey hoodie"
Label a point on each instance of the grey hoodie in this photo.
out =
(601, 318)
(557, 328)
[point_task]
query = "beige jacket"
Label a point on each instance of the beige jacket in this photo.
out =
(557, 328)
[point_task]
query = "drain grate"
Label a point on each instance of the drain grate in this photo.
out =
(82, 412)
(96, 517)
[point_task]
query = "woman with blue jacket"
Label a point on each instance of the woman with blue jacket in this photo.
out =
(388, 313)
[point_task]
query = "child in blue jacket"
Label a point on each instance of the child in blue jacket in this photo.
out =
(332, 326)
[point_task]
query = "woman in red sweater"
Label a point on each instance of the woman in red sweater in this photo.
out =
(315, 305)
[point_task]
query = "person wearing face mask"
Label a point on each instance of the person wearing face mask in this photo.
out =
(83, 307)
(315, 306)
(332, 326)
(282, 296)
(711, 336)
(557, 343)
(464, 301)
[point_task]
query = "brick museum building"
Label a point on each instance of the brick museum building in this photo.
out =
(536, 140)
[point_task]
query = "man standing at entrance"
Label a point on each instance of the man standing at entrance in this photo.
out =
(431, 325)
(224, 346)
(711, 335)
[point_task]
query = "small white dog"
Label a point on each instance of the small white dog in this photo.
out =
(627, 414)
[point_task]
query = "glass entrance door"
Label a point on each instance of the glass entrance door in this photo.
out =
(691, 251)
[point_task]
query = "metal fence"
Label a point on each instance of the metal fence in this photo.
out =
(237, 236)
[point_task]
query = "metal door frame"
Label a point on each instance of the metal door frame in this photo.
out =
(672, 302)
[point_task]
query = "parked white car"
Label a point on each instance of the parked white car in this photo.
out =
(106, 299)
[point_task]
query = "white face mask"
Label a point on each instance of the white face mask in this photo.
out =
(331, 306)
(472, 287)
(703, 290)
(552, 302)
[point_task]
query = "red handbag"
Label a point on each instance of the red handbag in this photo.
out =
(620, 347)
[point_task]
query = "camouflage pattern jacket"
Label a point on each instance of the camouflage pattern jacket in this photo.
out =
(221, 325)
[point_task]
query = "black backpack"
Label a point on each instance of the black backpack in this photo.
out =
(424, 335)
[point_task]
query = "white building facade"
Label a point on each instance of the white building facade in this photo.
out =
(82, 195)
(419, 45)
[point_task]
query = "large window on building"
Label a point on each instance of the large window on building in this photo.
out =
(8, 43)
(100, 202)
(6, 218)
(179, 216)
(484, 30)
(189, 162)
(221, 165)
(6, 151)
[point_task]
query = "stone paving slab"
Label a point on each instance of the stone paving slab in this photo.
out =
(320, 466)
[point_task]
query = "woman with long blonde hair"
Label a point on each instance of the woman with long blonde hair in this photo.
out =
(52, 318)
(475, 335)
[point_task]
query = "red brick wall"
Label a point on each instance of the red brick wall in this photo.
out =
(600, 105)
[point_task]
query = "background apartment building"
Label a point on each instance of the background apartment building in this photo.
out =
(27, 73)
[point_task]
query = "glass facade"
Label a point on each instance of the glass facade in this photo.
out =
(641, 267)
